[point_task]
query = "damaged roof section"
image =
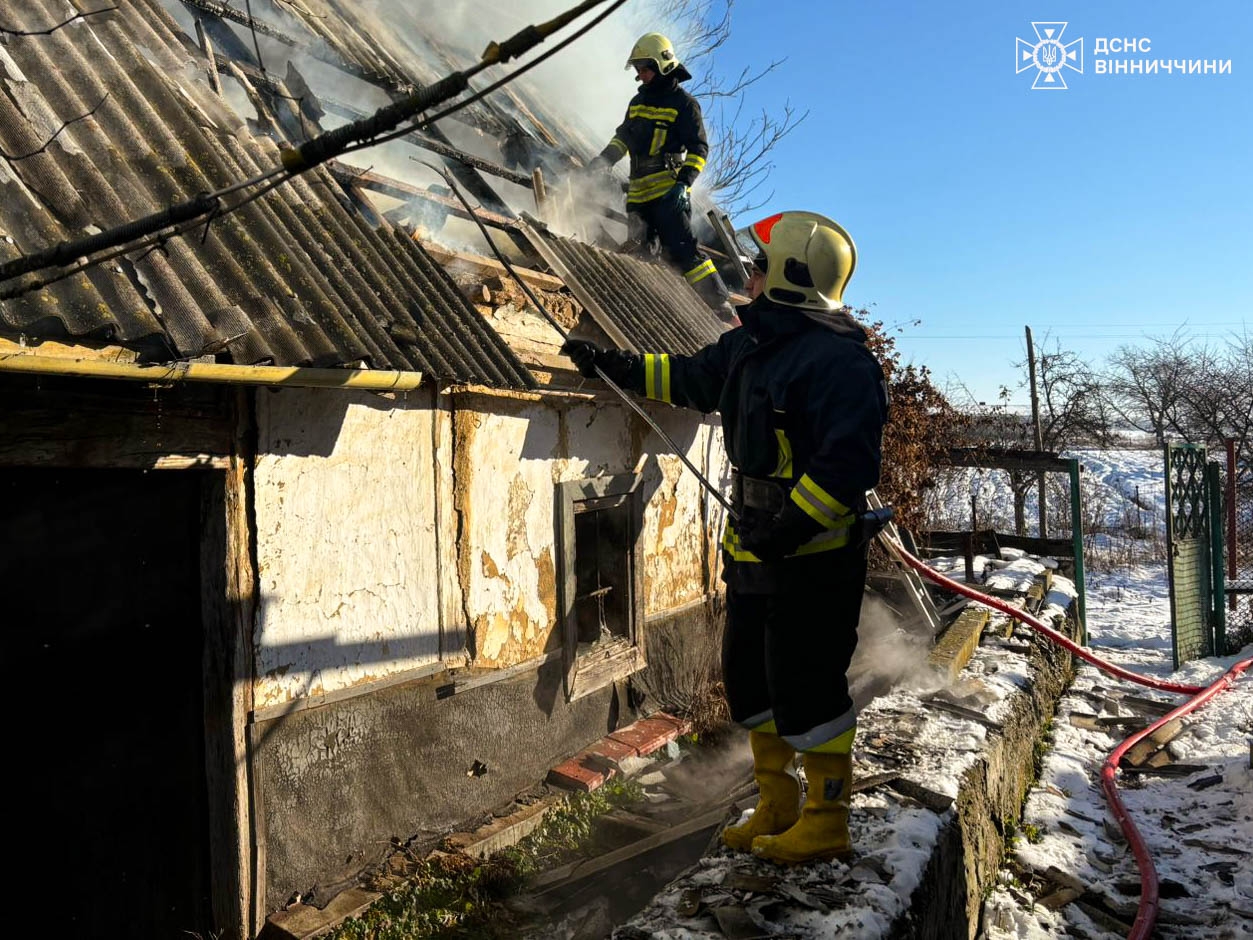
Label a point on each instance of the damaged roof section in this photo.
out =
(640, 305)
(298, 277)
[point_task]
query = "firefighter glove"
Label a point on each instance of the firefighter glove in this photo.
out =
(678, 197)
(620, 367)
(781, 535)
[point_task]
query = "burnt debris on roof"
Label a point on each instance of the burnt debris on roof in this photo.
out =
(299, 277)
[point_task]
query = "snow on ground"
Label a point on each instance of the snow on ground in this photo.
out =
(1199, 829)
(1200, 832)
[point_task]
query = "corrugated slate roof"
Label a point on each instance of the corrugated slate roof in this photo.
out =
(297, 277)
(642, 306)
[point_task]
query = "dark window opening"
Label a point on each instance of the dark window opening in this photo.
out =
(604, 571)
(600, 583)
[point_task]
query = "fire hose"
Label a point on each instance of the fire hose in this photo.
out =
(1146, 912)
(872, 523)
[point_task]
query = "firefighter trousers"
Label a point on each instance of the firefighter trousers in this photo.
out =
(671, 225)
(785, 654)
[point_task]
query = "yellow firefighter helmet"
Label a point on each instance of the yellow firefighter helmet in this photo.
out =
(807, 258)
(656, 51)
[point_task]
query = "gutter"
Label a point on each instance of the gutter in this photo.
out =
(176, 372)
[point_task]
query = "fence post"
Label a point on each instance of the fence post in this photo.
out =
(1219, 617)
(1233, 541)
(1076, 529)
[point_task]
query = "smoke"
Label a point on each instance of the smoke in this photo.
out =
(888, 656)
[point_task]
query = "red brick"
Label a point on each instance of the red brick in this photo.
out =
(682, 724)
(647, 734)
(613, 750)
(572, 775)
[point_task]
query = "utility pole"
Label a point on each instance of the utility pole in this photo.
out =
(1039, 439)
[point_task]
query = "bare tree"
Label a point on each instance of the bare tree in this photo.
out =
(1218, 398)
(1073, 410)
(740, 146)
(1201, 393)
(1145, 386)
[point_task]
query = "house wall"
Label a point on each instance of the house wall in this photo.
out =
(346, 542)
(386, 527)
(463, 486)
(510, 454)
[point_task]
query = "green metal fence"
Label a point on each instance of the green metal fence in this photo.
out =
(1194, 553)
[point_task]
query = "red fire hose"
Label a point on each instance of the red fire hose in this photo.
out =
(1146, 914)
(1038, 625)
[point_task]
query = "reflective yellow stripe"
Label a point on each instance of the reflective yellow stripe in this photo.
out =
(619, 143)
(784, 468)
(820, 505)
(700, 272)
(731, 545)
(668, 115)
(650, 192)
(695, 162)
(822, 542)
(659, 141)
(841, 744)
(652, 185)
(657, 377)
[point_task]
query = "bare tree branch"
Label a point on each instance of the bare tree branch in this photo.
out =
(739, 165)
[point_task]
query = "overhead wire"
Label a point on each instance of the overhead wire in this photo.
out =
(349, 138)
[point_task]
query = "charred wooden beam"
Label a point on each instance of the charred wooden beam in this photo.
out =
(398, 189)
(314, 51)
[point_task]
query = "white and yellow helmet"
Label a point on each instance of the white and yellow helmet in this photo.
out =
(656, 49)
(808, 259)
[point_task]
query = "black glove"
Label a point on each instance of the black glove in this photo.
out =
(599, 165)
(781, 535)
(620, 367)
(677, 197)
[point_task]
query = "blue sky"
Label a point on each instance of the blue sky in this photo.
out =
(1117, 209)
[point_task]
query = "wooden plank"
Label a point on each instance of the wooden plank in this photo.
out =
(1000, 458)
(564, 874)
(490, 267)
(53, 422)
(228, 596)
(398, 189)
(1148, 745)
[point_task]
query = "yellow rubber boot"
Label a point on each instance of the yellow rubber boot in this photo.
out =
(778, 806)
(821, 834)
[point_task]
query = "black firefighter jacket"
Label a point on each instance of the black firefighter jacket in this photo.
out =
(664, 134)
(803, 404)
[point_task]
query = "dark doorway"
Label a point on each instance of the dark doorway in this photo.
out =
(102, 573)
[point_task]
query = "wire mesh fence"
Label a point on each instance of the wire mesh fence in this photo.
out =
(1238, 550)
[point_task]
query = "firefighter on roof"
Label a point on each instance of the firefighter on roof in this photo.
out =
(664, 135)
(803, 403)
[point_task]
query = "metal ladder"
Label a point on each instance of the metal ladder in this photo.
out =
(924, 607)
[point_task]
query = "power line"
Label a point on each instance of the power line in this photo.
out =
(357, 135)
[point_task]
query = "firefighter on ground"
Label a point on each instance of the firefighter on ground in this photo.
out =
(664, 135)
(803, 403)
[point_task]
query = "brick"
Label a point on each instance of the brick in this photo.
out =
(574, 775)
(647, 734)
(615, 751)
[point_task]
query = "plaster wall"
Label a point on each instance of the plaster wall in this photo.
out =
(510, 454)
(346, 540)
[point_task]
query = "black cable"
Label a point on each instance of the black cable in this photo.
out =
(552, 321)
(479, 95)
(312, 152)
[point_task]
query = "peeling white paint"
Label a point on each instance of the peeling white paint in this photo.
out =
(347, 519)
(345, 540)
